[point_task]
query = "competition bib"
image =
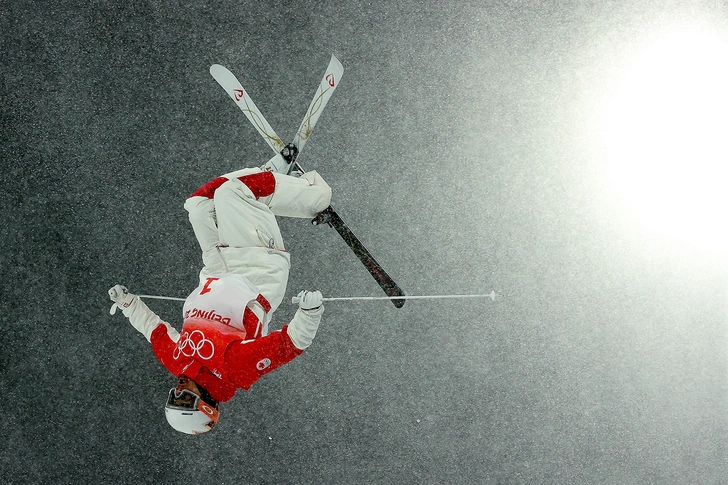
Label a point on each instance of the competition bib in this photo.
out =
(220, 299)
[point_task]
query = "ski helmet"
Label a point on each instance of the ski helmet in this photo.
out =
(188, 413)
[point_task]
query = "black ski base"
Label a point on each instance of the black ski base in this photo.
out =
(330, 217)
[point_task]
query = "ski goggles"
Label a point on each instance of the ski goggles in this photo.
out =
(185, 399)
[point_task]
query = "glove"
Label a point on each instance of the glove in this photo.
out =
(309, 300)
(305, 323)
(121, 297)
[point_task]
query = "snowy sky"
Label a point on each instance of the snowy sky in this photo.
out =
(567, 155)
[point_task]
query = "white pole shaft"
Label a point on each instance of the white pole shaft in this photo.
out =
(490, 295)
(161, 297)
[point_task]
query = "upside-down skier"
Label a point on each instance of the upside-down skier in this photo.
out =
(225, 344)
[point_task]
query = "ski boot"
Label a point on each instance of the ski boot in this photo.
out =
(289, 153)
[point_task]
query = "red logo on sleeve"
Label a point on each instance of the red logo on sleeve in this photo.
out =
(206, 288)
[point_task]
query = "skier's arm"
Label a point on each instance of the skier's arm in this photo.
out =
(138, 313)
(247, 361)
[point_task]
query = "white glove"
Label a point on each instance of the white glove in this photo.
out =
(121, 297)
(305, 323)
(309, 300)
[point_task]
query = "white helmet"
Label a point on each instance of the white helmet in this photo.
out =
(188, 413)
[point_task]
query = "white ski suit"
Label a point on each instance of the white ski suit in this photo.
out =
(242, 283)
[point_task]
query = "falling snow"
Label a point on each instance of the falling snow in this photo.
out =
(465, 146)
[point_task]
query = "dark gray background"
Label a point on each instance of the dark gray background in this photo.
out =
(461, 148)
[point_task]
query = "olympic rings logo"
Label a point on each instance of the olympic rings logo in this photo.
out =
(192, 344)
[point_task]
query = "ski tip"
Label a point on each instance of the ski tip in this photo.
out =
(217, 68)
(393, 293)
(336, 63)
(398, 303)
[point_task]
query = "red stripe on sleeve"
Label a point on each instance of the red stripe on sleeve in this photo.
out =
(250, 323)
(263, 301)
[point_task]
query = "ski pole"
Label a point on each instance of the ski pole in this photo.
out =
(161, 297)
(490, 295)
(113, 308)
(295, 299)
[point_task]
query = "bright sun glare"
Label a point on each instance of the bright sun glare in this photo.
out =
(667, 139)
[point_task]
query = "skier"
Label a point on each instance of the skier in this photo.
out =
(225, 344)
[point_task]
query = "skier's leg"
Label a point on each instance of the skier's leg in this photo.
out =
(242, 219)
(246, 205)
(303, 196)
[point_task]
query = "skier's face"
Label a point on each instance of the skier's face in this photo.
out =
(186, 399)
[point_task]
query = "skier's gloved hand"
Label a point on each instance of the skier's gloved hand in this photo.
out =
(310, 300)
(305, 323)
(121, 297)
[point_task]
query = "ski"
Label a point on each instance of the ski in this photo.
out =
(285, 155)
(235, 90)
(285, 159)
(326, 88)
(331, 217)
